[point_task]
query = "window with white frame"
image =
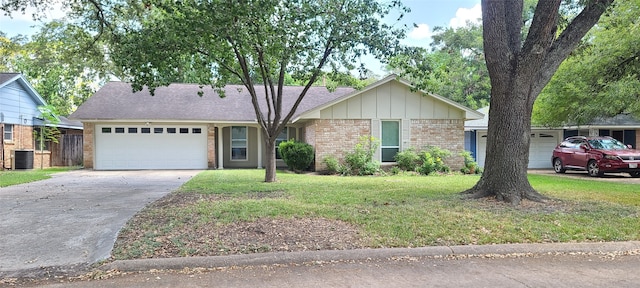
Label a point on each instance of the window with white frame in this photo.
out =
(282, 137)
(8, 132)
(390, 140)
(238, 143)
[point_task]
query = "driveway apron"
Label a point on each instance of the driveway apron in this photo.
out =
(72, 219)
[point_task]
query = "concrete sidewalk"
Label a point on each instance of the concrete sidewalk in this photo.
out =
(368, 254)
(511, 265)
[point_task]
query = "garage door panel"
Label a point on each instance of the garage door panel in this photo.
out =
(540, 150)
(150, 150)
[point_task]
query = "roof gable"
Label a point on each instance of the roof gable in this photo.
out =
(399, 90)
(19, 102)
(18, 80)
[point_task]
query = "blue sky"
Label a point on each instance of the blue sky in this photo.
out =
(426, 14)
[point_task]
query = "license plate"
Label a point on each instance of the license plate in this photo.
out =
(633, 165)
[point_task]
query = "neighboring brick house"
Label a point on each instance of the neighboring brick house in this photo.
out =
(177, 129)
(18, 114)
(19, 118)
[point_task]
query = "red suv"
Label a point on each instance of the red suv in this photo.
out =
(596, 155)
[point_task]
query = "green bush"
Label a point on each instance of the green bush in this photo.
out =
(297, 155)
(333, 165)
(407, 160)
(360, 161)
(433, 160)
(470, 166)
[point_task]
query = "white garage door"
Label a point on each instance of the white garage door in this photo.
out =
(120, 146)
(540, 150)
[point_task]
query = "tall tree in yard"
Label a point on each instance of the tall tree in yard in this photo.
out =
(254, 42)
(519, 68)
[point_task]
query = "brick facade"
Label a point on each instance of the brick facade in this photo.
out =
(22, 139)
(444, 133)
(87, 145)
(334, 137)
(44, 157)
(211, 146)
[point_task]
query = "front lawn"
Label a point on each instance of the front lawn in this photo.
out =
(15, 177)
(232, 211)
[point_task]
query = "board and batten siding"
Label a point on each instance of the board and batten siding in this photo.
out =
(391, 100)
(17, 105)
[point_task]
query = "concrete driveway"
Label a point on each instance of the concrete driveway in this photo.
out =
(71, 221)
(610, 177)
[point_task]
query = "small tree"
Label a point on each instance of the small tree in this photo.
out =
(46, 133)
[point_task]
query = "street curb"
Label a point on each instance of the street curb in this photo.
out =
(273, 258)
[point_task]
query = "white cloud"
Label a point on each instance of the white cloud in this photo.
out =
(421, 31)
(466, 14)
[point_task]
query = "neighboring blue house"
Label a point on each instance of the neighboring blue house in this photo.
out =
(543, 140)
(19, 118)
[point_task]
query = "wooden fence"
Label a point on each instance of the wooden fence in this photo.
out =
(68, 150)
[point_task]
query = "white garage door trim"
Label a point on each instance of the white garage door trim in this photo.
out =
(540, 150)
(133, 147)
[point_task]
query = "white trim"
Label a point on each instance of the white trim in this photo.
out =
(4, 132)
(246, 144)
(382, 136)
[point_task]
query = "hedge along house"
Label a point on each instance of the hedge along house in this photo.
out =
(177, 129)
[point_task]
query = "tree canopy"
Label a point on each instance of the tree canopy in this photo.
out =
(454, 67)
(601, 78)
(60, 61)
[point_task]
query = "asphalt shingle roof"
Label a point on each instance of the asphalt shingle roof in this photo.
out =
(4, 77)
(116, 101)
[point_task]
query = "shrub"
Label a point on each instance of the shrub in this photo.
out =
(332, 164)
(408, 160)
(428, 164)
(297, 155)
(470, 166)
(433, 160)
(360, 161)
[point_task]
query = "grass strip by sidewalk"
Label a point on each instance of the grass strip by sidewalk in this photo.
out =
(15, 177)
(389, 211)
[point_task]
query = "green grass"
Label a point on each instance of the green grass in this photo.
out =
(15, 177)
(413, 211)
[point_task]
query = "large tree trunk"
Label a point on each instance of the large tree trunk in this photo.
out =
(519, 71)
(270, 166)
(508, 138)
